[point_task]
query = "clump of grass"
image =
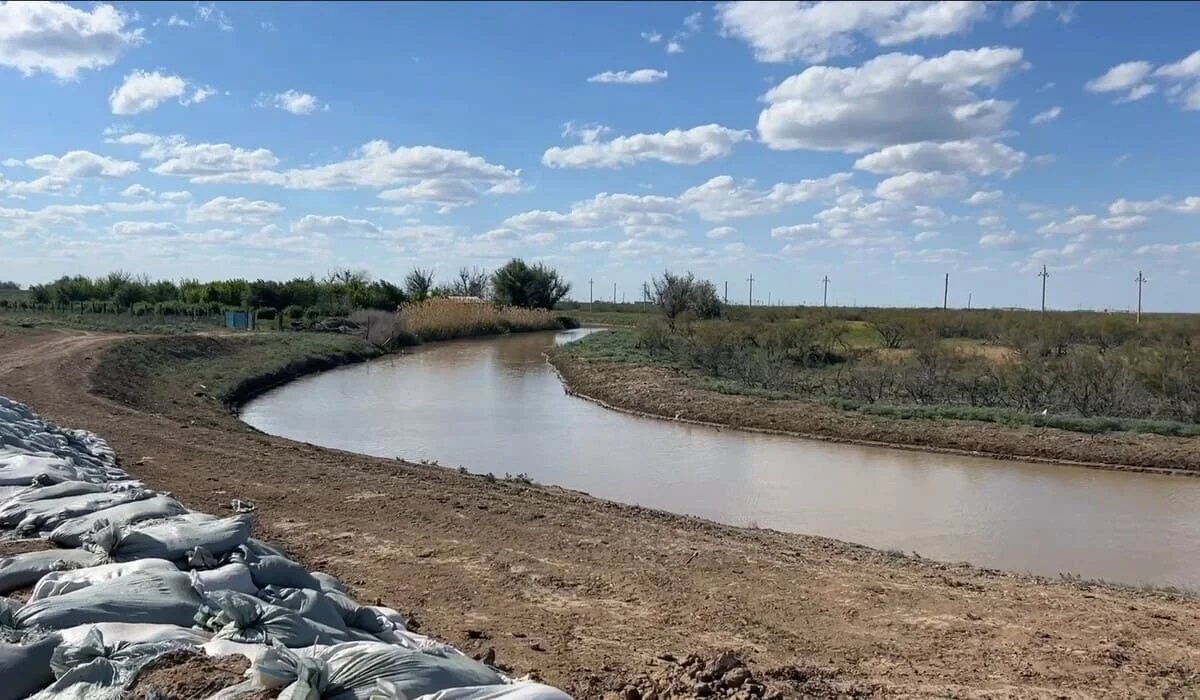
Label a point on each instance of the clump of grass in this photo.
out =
(444, 319)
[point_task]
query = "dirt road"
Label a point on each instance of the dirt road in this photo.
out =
(589, 593)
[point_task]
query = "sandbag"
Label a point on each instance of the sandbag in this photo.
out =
(60, 582)
(231, 577)
(49, 513)
(151, 597)
(21, 570)
(280, 571)
(353, 671)
(71, 532)
(25, 668)
(514, 691)
(309, 604)
(243, 618)
(329, 582)
(170, 539)
(262, 549)
(98, 669)
(59, 490)
(129, 633)
(20, 469)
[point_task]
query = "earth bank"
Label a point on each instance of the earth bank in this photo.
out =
(596, 597)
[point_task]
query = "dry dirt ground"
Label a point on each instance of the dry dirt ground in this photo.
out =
(666, 392)
(607, 600)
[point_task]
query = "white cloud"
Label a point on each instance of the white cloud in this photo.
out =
(293, 102)
(141, 92)
(1125, 207)
(56, 38)
(47, 184)
(136, 191)
(814, 32)
(991, 220)
(999, 240)
(1082, 223)
(719, 199)
(977, 156)
(177, 21)
(925, 236)
(652, 37)
(238, 210)
(1124, 77)
(674, 47)
(75, 164)
(200, 94)
(677, 146)
(445, 193)
(913, 186)
(210, 13)
(1169, 249)
(179, 196)
(795, 231)
(890, 99)
(1046, 116)
(625, 77)
(593, 246)
(722, 232)
(334, 226)
(1019, 12)
(144, 229)
(982, 197)
(1184, 69)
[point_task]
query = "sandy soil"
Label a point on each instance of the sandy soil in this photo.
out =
(603, 599)
(665, 392)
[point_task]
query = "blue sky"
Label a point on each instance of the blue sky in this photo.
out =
(882, 144)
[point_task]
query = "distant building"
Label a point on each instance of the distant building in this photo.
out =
(467, 300)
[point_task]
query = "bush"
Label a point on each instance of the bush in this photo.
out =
(293, 312)
(265, 315)
(679, 294)
(530, 287)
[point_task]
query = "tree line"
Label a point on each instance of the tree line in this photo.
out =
(341, 291)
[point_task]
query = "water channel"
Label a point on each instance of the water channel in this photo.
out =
(493, 405)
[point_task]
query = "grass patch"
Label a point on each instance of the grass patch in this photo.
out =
(110, 323)
(628, 319)
(612, 346)
(158, 373)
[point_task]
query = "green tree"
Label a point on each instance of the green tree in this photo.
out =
(533, 287)
(418, 284)
(676, 294)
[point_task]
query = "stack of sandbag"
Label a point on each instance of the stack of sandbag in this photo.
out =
(128, 574)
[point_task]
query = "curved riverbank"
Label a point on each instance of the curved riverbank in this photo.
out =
(657, 391)
(591, 593)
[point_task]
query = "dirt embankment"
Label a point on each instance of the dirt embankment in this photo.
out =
(665, 392)
(603, 599)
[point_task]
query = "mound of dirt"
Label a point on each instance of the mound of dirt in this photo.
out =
(190, 675)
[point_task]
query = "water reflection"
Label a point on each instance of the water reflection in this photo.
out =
(494, 405)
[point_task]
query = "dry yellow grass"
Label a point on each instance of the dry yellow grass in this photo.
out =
(442, 319)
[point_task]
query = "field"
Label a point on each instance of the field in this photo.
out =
(592, 596)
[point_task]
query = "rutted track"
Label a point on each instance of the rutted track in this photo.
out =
(588, 592)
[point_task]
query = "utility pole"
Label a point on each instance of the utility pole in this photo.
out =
(768, 298)
(1043, 274)
(751, 281)
(614, 292)
(946, 293)
(726, 302)
(825, 296)
(1141, 279)
(591, 297)
(969, 301)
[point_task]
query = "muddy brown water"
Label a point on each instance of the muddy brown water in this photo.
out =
(495, 406)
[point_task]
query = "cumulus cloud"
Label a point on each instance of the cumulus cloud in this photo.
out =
(1083, 223)
(1047, 116)
(47, 184)
(625, 77)
(56, 38)
(1008, 240)
(891, 99)
(722, 232)
(920, 186)
(334, 226)
(136, 191)
(293, 102)
(447, 194)
(677, 146)
(141, 91)
(142, 229)
(75, 164)
(977, 156)
(814, 32)
(1124, 77)
(237, 210)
